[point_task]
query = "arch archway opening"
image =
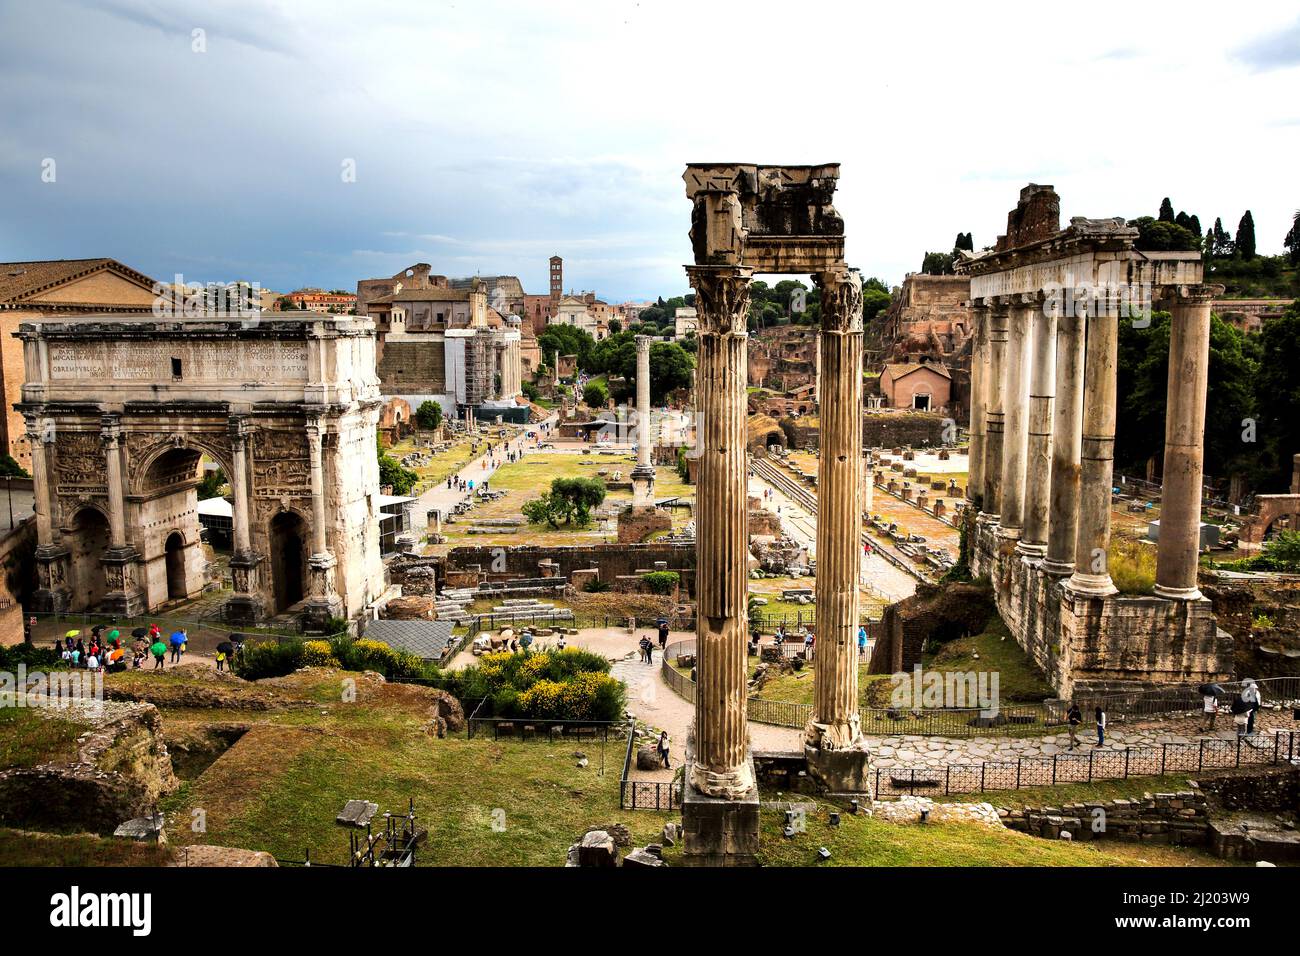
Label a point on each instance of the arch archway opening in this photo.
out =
(288, 560)
(174, 552)
(87, 540)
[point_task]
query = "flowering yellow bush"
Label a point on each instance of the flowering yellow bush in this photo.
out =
(318, 654)
(533, 668)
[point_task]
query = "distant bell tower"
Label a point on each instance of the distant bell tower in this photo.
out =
(557, 281)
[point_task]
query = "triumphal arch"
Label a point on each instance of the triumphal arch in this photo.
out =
(751, 219)
(121, 413)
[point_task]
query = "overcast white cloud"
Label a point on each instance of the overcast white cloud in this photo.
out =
(490, 135)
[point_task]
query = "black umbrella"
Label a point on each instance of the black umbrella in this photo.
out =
(1206, 690)
(140, 632)
(225, 647)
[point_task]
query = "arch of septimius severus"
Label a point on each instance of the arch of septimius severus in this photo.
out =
(751, 219)
(119, 413)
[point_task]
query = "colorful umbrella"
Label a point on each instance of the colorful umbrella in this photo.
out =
(73, 633)
(178, 638)
(114, 633)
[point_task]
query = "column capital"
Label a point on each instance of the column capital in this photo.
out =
(722, 298)
(238, 428)
(841, 290)
(1199, 293)
(110, 430)
(643, 342)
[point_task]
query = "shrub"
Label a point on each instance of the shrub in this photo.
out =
(572, 684)
(1132, 566)
(662, 582)
(269, 659)
(596, 586)
(318, 654)
(31, 655)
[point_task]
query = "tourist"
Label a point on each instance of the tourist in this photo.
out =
(1250, 695)
(92, 662)
(221, 660)
(862, 641)
(644, 645)
(808, 642)
(1073, 719)
(1210, 704)
(663, 633)
(663, 747)
(1239, 710)
(159, 651)
(178, 645)
(1101, 726)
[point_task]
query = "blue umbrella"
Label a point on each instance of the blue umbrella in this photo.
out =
(178, 638)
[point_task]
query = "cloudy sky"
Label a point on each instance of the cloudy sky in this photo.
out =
(487, 136)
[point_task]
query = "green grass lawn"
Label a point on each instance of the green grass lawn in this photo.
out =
(1019, 680)
(24, 848)
(864, 841)
(505, 803)
(30, 737)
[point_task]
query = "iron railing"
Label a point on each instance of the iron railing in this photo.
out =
(646, 794)
(1209, 753)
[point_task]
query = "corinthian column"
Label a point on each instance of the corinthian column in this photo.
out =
(1180, 499)
(324, 602)
(994, 416)
(1015, 403)
(1091, 576)
(979, 346)
(643, 475)
(1038, 461)
(1067, 443)
(111, 433)
(720, 768)
(834, 724)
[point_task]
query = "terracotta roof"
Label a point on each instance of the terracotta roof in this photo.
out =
(21, 280)
(898, 371)
(424, 295)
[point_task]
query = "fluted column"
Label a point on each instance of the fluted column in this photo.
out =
(643, 475)
(1091, 577)
(1038, 461)
(994, 417)
(1067, 441)
(42, 483)
(834, 722)
(1180, 499)
(1015, 405)
(239, 488)
(720, 768)
(979, 346)
(315, 437)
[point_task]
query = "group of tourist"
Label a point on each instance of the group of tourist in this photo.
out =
(1074, 719)
(106, 649)
(1243, 707)
(647, 646)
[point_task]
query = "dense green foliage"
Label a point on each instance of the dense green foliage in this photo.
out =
(595, 394)
(662, 582)
(210, 484)
(276, 659)
(429, 415)
(571, 684)
(392, 473)
(569, 502)
(10, 467)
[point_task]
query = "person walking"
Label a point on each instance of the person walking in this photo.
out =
(663, 633)
(159, 651)
(178, 645)
(1239, 710)
(1073, 719)
(663, 747)
(1250, 695)
(1101, 726)
(1210, 706)
(862, 641)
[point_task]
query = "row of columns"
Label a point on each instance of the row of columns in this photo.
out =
(1043, 408)
(508, 371)
(720, 767)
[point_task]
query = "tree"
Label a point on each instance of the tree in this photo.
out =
(615, 326)
(1292, 241)
(557, 340)
(1220, 244)
(429, 415)
(1155, 235)
(569, 501)
(1246, 236)
(392, 473)
(1166, 211)
(1278, 384)
(937, 263)
(210, 484)
(596, 395)
(10, 467)
(670, 369)
(964, 243)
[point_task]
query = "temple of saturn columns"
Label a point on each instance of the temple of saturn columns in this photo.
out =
(642, 518)
(768, 219)
(1047, 303)
(119, 414)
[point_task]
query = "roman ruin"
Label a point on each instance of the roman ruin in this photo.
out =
(749, 219)
(119, 413)
(1047, 303)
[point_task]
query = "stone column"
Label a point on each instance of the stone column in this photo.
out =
(1180, 499)
(1091, 577)
(643, 475)
(1067, 441)
(53, 593)
(111, 433)
(245, 605)
(324, 601)
(720, 767)
(1015, 405)
(994, 416)
(1038, 461)
(979, 345)
(833, 736)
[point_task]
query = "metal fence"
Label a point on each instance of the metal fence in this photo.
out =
(645, 794)
(529, 728)
(1206, 754)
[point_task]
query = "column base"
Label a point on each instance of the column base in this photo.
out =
(1178, 594)
(1061, 569)
(1030, 550)
(841, 771)
(124, 598)
(1008, 534)
(719, 831)
(730, 785)
(1090, 585)
(243, 609)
